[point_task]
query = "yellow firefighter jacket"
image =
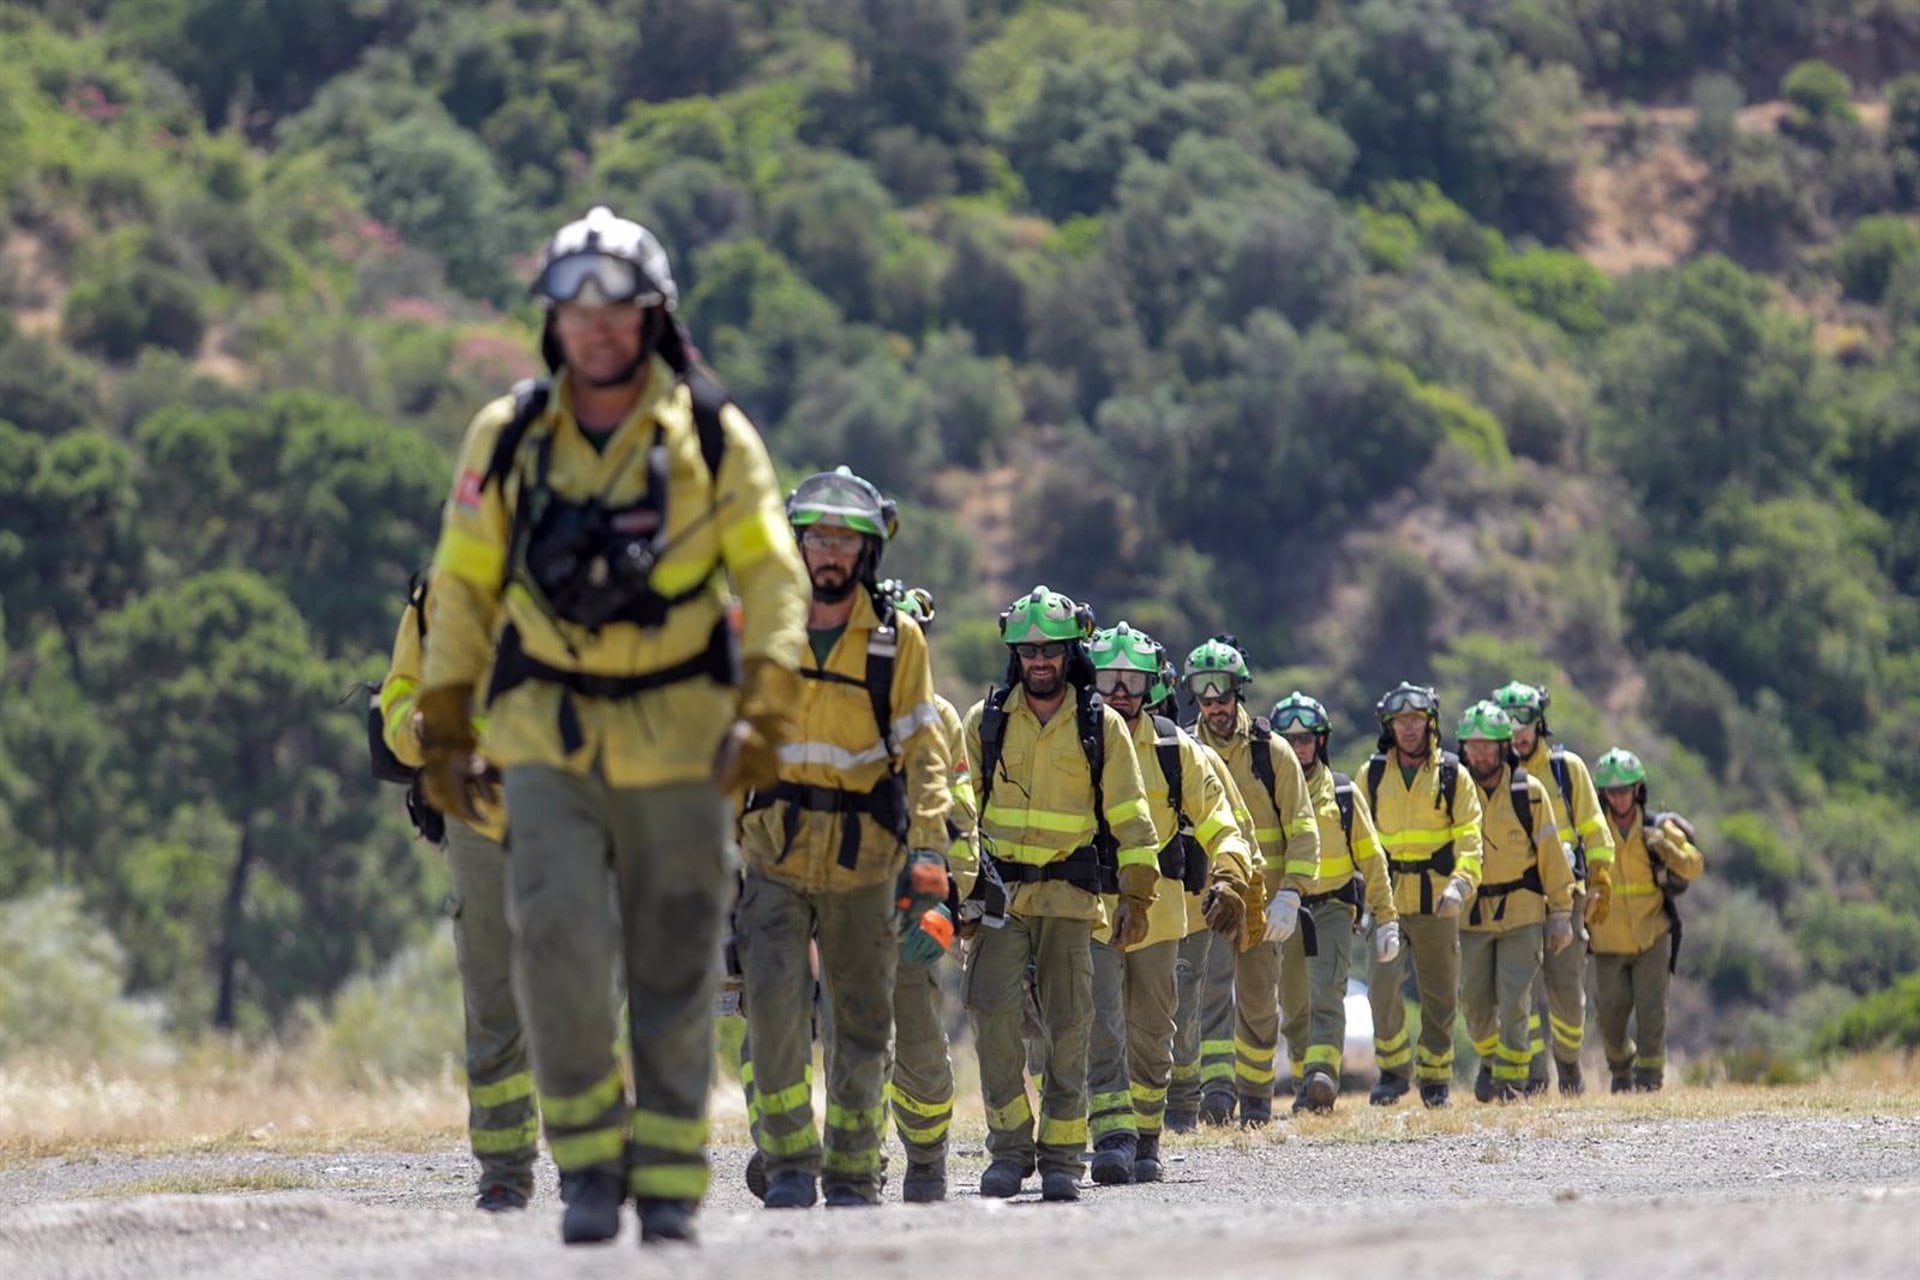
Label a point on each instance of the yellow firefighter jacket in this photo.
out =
(1039, 806)
(1341, 857)
(1207, 808)
(397, 695)
(1282, 818)
(1510, 897)
(732, 525)
(1243, 822)
(837, 752)
(1416, 827)
(1586, 821)
(962, 855)
(1639, 918)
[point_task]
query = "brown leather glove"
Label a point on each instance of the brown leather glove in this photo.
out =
(749, 752)
(1255, 898)
(1226, 912)
(1137, 887)
(1599, 892)
(456, 780)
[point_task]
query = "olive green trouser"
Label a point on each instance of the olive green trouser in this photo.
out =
(672, 856)
(859, 945)
(1061, 952)
(1496, 987)
(1130, 1049)
(921, 1089)
(1633, 987)
(1190, 977)
(1432, 944)
(1256, 1018)
(1560, 990)
(1216, 1017)
(1313, 990)
(503, 1123)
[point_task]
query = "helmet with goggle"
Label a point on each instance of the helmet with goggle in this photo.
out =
(1126, 659)
(1525, 704)
(1486, 722)
(1405, 697)
(1618, 768)
(915, 602)
(1217, 669)
(842, 500)
(603, 258)
(1042, 615)
(1301, 713)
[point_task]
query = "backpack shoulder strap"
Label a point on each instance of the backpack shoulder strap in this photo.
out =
(709, 398)
(1260, 740)
(417, 598)
(1343, 797)
(1523, 800)
(1166, 745)
(1562, 775)
(530, 397)
(1376, 770)
(1093, 741)
(883, 646)
(1449, 778)
(993, 735)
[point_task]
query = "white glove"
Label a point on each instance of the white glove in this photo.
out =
(1454, 900)
(1567, 849)
(1283, 915)
(1559, 931)
(1386, 942)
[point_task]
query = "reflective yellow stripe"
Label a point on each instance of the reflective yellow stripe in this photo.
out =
(799, 1142)
(669, 1181)
(1631, 890)
(837, 1161)
(1368, 847)
(493, 1142)
(1209, 1047)
(1038, 855)
(907, 1102)
(1650, 1064)
(1388, 1061)
(1147, 1094)
(1324, 1055)
(515, 1087)
(1393, 1042)
(790, 1099)
(1255, 1075)
(599, 1146)
(396, 701)
(1592, 826)
(668, 1133)
(1137, 858)
(1267, 836)
(1062, 1133)
(1012, 1116)
(854, 1119)
(1301, 826)
(1038, 820)
(1328, 868)
(1486, 1047)
(1297, 868)
(575, 1110)
(1253, 1053)
(1410, 837)
(1464, 830)
(1119, 813)
(750, 538)
(931, 1133)
(470, 557)
(1207, 831)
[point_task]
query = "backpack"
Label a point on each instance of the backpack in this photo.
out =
(530, 397)
(883, 646)
(385, 766)
(1089, 725)
(1192, 867)
(1563, 777)
(1449, 779)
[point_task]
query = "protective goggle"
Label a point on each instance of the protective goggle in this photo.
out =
(1407, 700)
(837, 541)
(1048, 649)
(596, 278)
(1120, 680)
(1210, 684)
(1302, 716)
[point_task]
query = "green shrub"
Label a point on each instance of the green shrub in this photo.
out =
(1889, 1017)
(63, 991)
(141, 304)
(402, 1023)
(1872, 250)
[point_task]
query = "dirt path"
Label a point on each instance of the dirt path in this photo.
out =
(1600, 1194)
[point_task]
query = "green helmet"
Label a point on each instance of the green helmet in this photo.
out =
(915, 602)
(1525, 703)
(1298, 708)
(1406, 696)
(842, 499)
(1618, 768)
(1217, 666)
(1487, 722)
(1043, 614)
(1121, 648)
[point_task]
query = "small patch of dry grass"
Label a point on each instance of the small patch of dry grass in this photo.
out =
(202, 1184)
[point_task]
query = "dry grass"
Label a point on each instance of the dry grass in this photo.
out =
(206, 1185)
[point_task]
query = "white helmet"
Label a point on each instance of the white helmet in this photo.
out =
(605, 258)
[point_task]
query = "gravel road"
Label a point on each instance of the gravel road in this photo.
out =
(1564, 1193)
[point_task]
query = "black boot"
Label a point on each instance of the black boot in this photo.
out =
(498, 1197)
(1059, 1185)
(1572, 1083)
(1113, 1159)
(791, 1189)
(757, 1176)
(1318, 1091)
(1182, 1121)
(593, 1200)
(1255, 1113)
(1483, 1090)
(1622, 1082)
(1216, 1107)
(1433, 1094)
(1648, 1079)
(1003, 1178)
(1146, 1158)
(666, 1222)
(1389, 1089)
(925, 1183)
(841, 1195)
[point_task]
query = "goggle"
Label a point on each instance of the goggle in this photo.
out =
(1132, 683)
(1213, 685)
(1051, 649)
(1302, 716)
(1406, 700)
(837, 541)
(595, 277)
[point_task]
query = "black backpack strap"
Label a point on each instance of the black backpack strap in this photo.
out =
(1260, 740)
(417, 597)
(530, 396)
(1449, 779)
(1093, 741)
(1343, 798)
(1523, 801)
(709, 398)
(1376, 770)
(883, 646)
(993, 735)
(1166, 745)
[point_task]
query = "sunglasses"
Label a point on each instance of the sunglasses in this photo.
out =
(1132, 683)
(837, 541)
(589, 277)
(1051, 649)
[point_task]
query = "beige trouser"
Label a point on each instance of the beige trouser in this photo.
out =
(1633, 987)
(1256, 1019)
(1432, 943)
(1561, 991)
(1130, 1049)
(1217, 1018)
(922, 1085)
(1313, 990)
(672, 857)
(995, 994)
(1496, 987)
(1190, 982)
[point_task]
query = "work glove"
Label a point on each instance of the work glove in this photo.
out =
(1283, 915)
(1226, 912)
(1454, 899)
(1386, 942)
(921, 895)
(1137, 887)
(453, 775)
(1559, 931)
(749, 751)
(1599, 893)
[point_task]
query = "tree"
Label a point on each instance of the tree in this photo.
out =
(436, 185)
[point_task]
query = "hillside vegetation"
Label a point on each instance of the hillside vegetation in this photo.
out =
(1566, 340)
